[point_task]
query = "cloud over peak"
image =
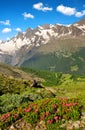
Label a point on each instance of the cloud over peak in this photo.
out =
(27, 15)
(40, 6)
(7, 22)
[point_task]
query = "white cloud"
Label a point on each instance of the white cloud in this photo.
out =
(18, 29)
(66, 10)
(69, 11)
(27, 15)
(40, 6)
(7, 22)
(6, 30)
(83, 5)
(80, 14)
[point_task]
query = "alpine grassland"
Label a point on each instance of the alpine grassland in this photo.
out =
(56, 99)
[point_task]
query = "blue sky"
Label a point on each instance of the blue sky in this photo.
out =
(18, 15)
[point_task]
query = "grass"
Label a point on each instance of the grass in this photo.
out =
(14, 72)
(18, 92)
(64, 85)
(49, 78)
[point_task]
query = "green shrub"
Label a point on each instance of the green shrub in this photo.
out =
(12, 85)
(52, 111)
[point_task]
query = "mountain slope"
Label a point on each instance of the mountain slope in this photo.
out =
(52, 47)
(66, 62)
(17, 73)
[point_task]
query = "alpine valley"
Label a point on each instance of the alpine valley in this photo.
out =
(49, 47)
(42, 79)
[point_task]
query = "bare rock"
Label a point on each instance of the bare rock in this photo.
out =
(63, 125)
(40, 126)
(82, 124)
(76, 125)
(69, 127)
(12, 128)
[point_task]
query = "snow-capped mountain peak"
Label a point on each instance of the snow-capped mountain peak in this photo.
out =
(41, 35)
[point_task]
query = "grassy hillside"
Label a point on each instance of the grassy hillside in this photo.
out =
(21, 102)
(13, 71)
(64, 62)
(65, 85)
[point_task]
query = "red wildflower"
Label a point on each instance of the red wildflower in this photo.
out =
(27, 109)
(56, 117)
(69, 104)
(5, 117)
(67, 99)
(50, 121)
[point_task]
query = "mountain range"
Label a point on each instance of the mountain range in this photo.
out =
(49, 47)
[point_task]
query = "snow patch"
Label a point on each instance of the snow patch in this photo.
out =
(40, 27)
(33, 39)
(81, 27)
(37, 45)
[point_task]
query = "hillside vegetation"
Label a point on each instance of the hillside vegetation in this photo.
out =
(21, 101)
(66, 85)
(13, 72)
(64, 61)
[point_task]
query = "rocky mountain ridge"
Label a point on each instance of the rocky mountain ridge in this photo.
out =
(43, 39)
(41, 35)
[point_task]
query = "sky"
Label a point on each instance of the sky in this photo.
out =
(19, 15)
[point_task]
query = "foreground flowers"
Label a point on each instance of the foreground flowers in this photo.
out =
(4, 117)
(27, 109)
(49, 110)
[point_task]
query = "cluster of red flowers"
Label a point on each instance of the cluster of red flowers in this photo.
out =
(27, 109)
(51, 112)
(50, 121)
(4, 117)
(70, 104)
(56, 118)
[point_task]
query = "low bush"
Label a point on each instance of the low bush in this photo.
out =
(52, 111)
(12, 85)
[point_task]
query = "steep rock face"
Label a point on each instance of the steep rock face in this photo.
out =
(44, 39)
